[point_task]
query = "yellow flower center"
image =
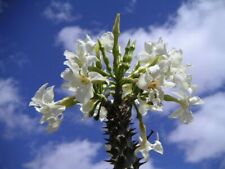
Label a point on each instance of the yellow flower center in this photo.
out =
(153, 84)
(84, 80)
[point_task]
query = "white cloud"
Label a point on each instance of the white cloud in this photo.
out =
(204, 138)
(148, 165)
(68, 36)
(76, 154)
(60, 12)
(11, 110)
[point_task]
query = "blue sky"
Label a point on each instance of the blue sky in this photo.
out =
(33, 37)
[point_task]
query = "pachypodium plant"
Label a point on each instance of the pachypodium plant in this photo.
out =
(108, 88)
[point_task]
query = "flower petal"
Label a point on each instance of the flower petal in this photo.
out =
(37, 99)
(48, 95)
(142, 83)
(84, 93)
(196, 100)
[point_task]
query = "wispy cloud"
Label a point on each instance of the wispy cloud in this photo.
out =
(10, 56)
(131, 6)
(204, 138)
(58, 11)
(76, 154)
(11, 110)
(68, 36)
(67, 156)
(17, 59)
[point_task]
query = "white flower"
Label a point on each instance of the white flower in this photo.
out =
(107, 41)
(152, 81)
(90, 44)
(145, 146)
(43, 101)
(84, 54)
(179, 75)
(175, 57)
(176, 72)
(151, 50)
(78, 79)
(80, 60)
(81, 84)
(184, 113)
(87, 107)
(143, 106)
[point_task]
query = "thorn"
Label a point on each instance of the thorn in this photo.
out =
(150, 134)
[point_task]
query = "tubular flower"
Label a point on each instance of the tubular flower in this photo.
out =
(145, 146)
(107, 41)
(143, 106)
(151, 50)
(87, 107)
(43, 101)
(77, 77)
(151, 81)
(81, 84)
(84, 55)
(184, 113)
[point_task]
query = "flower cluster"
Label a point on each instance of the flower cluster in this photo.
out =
(164, 69)
(98, 74)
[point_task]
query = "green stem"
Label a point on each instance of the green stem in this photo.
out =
(141, 124)
(67, 101)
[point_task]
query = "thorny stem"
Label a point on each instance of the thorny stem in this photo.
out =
(119, 133)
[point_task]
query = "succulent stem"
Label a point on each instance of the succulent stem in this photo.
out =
(119, 133)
